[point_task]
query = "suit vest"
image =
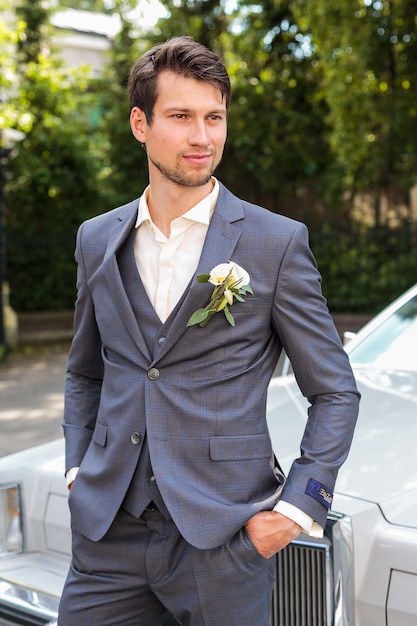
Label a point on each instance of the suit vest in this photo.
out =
(143, 488)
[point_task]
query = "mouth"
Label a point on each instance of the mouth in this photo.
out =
(199, 159)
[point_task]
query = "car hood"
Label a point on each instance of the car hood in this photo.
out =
(382, 463)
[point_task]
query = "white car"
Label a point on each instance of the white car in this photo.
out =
(364, 571)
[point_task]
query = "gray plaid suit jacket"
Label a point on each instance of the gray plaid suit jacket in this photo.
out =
(201, 397)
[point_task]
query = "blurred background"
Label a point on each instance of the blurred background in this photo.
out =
(322, 127)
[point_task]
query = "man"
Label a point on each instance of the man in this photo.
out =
(176, 500)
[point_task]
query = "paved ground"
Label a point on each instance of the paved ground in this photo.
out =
(31, 396)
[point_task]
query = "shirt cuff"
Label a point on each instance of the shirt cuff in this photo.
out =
(309, 526)
(71, 474)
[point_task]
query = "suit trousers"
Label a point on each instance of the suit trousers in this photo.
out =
(143, 568)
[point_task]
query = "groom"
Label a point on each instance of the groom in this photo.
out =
(177, 503)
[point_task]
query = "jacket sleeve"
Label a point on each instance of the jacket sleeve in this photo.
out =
(324, 375)
(84, 370)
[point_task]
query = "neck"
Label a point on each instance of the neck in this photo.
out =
(167, 202)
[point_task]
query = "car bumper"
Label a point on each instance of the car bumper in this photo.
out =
(30, 589)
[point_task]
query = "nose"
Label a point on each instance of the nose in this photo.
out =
(199, 134)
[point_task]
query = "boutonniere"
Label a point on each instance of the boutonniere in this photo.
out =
(231, 282)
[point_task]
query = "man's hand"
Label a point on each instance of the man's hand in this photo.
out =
(271, 531)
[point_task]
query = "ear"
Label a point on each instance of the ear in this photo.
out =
(138, 124)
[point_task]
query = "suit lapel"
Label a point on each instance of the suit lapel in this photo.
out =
(221, 240)
(117, 238)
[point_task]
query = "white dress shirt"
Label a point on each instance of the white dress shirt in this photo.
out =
(166, 266)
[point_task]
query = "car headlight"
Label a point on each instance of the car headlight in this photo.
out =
(11, 535)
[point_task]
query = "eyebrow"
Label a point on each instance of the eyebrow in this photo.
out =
(180, 109)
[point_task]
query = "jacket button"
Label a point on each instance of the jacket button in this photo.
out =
(135, 438)
(153, 479)
(153, 373)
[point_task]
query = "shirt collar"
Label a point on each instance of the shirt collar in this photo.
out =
(201, 212)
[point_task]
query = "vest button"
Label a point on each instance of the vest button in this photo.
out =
(153, 373)
(135, 438)
(153, 479)
(161, 340)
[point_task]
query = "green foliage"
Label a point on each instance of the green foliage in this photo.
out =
(126, 175)
(323, 108)
(368, 55)
(97, 6)
(205, 20)
(9, 38)
(53, 176)
(34, 15)
(276, 124)
(364, 270)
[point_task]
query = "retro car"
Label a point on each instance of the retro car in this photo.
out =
(362, 573)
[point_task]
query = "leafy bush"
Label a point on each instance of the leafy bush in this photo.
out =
(364, 271)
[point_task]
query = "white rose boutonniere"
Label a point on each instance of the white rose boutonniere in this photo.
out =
(231, 282)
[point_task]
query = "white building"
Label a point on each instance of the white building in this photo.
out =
(83, 38)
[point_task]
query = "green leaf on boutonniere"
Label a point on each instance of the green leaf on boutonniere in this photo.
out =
(203, 278)
(229, 316)
(198, 317)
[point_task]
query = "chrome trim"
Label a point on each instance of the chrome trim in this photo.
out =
(18, 602)
(339, 530)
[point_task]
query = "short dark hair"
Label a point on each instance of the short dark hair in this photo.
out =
(183, 56)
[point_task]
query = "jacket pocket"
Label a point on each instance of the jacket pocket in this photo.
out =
(238, 448)
(100, 434)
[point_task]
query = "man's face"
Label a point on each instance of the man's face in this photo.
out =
(185, 140)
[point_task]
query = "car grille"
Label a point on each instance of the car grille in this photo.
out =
(302, 594)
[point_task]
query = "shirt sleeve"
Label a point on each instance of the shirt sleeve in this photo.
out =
(71, 474)
(309, 526)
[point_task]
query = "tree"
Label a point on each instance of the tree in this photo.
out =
(53, 180)
(126, 171)
(96, 6)
(206, 20)
(368, 53)
(278, 141)
(323, 104)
